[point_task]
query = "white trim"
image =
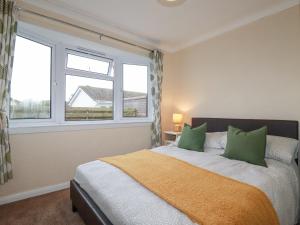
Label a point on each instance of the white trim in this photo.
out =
(60, 84)
(33, 193)
(238, 23)
(77, 126)
(118, 93)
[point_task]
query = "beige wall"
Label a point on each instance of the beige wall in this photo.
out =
(44, 159)
(251, 72)
(167, 91)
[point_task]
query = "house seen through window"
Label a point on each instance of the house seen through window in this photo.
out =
(88, 99)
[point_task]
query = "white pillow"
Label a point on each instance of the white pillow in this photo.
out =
(177, 140)
(281, 148)
(212, 140)
(216, 140)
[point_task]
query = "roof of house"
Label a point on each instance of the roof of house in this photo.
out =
(105, 94)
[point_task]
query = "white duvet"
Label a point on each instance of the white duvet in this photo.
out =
(124, 201)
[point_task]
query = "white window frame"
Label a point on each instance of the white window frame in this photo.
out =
(149, 103)
(58, 84)
(86, 54)
(43, 41)
(87, 74)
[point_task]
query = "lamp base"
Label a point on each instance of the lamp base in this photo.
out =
(177, 128)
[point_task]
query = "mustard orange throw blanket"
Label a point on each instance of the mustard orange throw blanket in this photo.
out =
(205, 197)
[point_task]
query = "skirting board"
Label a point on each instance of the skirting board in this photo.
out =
(33, 193)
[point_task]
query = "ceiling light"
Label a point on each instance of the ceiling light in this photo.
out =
(171, 3)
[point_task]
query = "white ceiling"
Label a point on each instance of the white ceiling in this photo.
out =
(168, 28)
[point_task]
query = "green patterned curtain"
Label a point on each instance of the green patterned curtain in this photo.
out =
(156, 76)
(8, 27)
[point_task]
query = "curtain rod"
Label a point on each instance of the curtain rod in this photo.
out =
(83, 28)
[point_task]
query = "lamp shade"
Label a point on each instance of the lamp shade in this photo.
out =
(177, 118)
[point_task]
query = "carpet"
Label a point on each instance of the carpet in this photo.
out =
(50, 209)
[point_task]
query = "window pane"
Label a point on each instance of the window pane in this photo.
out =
(88, 99)
(31, 81)
(87, 64)
(135, 90)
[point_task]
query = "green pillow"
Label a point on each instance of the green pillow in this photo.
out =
(246, 146)
(193, 138)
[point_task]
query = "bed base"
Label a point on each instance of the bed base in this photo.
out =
(86, 207)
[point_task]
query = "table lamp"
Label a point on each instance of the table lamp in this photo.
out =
(177, 120)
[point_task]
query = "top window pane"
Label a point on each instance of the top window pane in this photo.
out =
(87, 64)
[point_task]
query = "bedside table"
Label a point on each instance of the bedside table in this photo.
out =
(170, 137)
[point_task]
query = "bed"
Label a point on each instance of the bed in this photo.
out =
(103, 195)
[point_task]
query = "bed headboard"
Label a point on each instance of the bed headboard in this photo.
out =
(284, 128)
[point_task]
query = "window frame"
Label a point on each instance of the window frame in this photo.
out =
(149, 109)
(89, 55)
(59, 70)
(40, 40)
(87, 74)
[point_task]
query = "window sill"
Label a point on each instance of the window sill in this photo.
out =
(74, 126)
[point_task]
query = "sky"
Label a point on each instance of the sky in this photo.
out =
(32, 69)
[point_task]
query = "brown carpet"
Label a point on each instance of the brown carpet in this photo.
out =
(50, 209)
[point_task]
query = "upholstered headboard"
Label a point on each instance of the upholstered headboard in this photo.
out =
(284, 128)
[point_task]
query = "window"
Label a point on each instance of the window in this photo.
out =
(30, 96)
(55, 83)
(88, 64)
(89, 94)
(135, 88)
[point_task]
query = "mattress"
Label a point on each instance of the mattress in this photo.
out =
(124, 201)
